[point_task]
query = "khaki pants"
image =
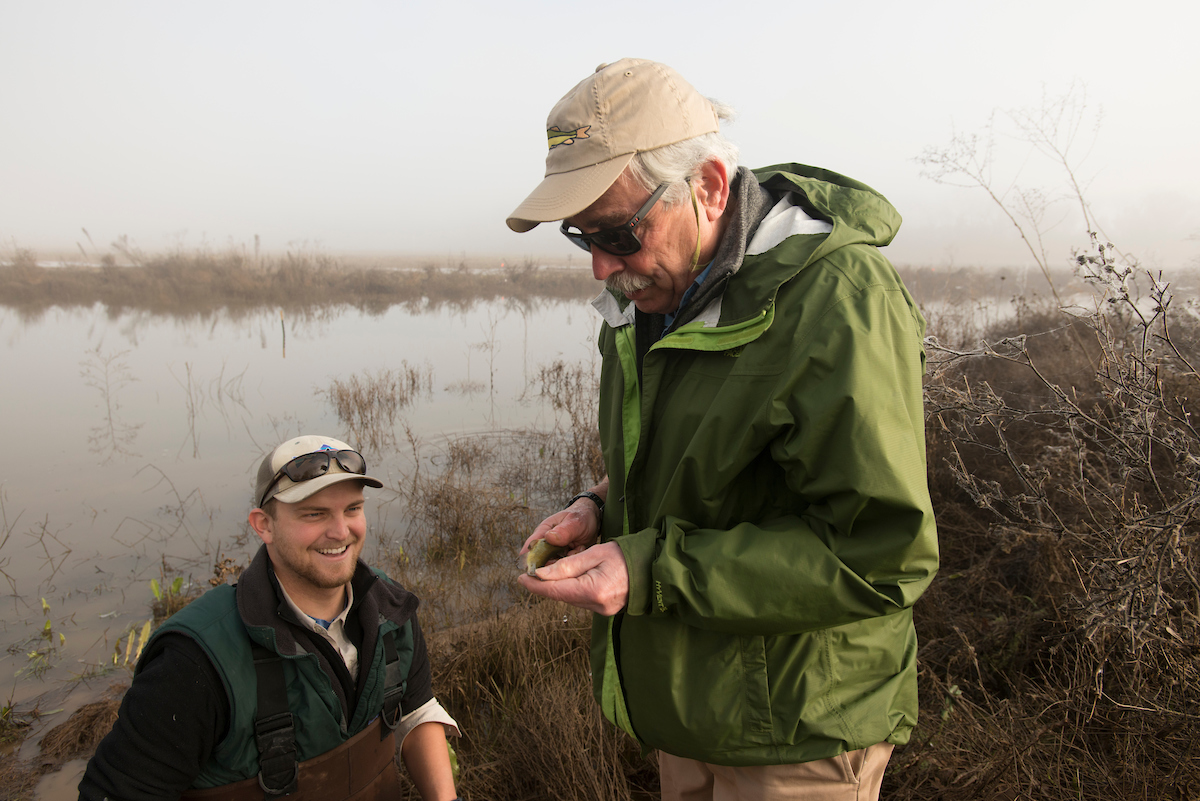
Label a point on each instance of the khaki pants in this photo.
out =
(853, 776)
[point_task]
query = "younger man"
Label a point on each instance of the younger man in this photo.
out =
(300, 680)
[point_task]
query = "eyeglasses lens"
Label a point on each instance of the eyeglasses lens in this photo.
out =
(617, 241)
(352, 462)
(621, 240)
(308, 466)
(311, 465)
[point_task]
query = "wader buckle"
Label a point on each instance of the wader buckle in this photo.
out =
(275, 737)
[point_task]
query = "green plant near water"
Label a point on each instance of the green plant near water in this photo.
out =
(13, 726)
(44, 648)
(173, 589)
(168, 598)
(135, 640)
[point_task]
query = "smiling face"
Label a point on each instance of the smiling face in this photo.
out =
(656, 277)
(314, 544)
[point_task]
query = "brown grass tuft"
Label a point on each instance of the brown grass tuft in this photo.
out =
(82, 732)
(519, 686)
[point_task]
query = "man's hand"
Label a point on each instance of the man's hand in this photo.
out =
(575, 527)
(595, 579)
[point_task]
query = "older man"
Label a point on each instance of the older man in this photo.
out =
(300, 681)
(754, 552)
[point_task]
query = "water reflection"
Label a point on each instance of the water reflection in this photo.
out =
(108, 374)
(141, 435)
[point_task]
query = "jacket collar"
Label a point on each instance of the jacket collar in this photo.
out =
(748, 204)
(261, 606)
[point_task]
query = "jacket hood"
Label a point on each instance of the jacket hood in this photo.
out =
(825, 210)
(859, 214)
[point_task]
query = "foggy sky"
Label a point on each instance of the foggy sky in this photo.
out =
(414, 128)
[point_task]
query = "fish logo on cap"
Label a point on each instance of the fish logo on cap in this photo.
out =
(556, 137)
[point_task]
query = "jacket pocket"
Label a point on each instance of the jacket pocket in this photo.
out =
(757, 725)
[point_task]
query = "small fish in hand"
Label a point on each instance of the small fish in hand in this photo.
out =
(539, 553)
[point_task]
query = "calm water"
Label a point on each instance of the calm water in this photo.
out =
(134, 439)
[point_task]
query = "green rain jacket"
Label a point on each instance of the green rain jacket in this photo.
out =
(767, 488)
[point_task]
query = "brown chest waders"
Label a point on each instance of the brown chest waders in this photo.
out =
(361, 769)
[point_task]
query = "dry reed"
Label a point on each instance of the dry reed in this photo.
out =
(367, 405)
(519, 685)
(1060, 646)
(79, 734)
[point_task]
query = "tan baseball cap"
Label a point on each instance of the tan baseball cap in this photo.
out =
(622, 109)
(272, 483)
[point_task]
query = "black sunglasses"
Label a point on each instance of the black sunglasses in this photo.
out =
(619, 241)
(313, 465)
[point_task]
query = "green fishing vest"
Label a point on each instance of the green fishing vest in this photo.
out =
(213, 622)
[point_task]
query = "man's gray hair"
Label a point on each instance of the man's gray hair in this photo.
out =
(673, 164)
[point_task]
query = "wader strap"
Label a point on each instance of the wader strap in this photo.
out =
(393, 685)
(361, 769)
(274, 732)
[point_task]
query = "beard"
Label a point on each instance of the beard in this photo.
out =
(627, 283)
(288, 557)
(326, 579)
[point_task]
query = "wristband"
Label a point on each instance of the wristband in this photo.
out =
(593, 497)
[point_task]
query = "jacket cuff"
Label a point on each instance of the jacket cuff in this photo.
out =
(639, 548)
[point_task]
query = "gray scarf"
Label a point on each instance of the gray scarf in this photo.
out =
(748, 204)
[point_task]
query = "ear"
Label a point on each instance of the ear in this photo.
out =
(712, 188)
(263, 525)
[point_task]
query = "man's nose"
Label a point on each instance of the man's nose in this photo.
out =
(339, 527)
(605, 264)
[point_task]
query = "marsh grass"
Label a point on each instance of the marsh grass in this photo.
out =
(19, 779)
(1060, 646)
(519, 685)
(367, 404)
(203, 281)
(513, 670)
(573, 444)
(462, 529)
(13, 725)
(79, 734)
(6, 531)
(74, 738)
(470, 506)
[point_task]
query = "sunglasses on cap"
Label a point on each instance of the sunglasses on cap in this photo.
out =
(620, 240)
(308, 466)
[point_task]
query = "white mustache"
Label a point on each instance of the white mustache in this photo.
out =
(626, 283)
